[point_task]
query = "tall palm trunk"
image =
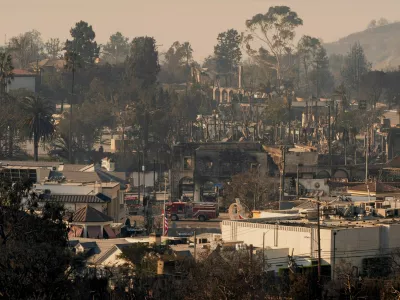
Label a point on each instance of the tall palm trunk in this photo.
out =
(10, 141)
(36, 146)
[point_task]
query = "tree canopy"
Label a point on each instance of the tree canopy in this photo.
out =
(82, 50)
(228, 53)
(275, 30)
(117, 49)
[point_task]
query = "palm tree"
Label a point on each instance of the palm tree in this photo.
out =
(37, 114)
(6, 71)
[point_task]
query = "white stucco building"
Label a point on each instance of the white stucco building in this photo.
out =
(353, 241)
(23, 80)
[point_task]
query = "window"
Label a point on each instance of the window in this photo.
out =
(187, 163)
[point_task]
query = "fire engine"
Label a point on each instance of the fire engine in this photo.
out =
(192, 210)
(133, 204)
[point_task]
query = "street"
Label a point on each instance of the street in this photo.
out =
(214, 223)
(196, 224)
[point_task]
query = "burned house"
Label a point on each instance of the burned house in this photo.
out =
(201, 169)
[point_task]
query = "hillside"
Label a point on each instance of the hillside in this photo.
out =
(381, 45)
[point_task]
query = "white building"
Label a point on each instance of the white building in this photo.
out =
(354, 241)
(106, 197)
(23, 80)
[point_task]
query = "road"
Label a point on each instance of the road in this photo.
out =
(196, 224)
(215, 223)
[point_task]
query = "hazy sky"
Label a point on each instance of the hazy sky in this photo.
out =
(196, 21)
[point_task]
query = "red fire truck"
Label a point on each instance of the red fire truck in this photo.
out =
(133, 204)
(192, 210)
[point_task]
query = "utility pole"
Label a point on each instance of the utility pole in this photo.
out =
(366, 156)
(297, 181)
(317, 79)
(334, 255)
(263, 253)
(215, 126)
(282, 183)
(251, 256)
(252, 268)
(329, 137)
(139, 176)
(144, 175)
(165, 197)
(319, 248)
(154, 179)
(195, 245)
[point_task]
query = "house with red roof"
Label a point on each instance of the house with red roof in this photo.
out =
(88, 222)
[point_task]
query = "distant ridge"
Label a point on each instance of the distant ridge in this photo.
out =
(381, 45)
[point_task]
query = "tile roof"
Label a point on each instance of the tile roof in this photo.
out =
(20, 72)
(88, 214)
(98, 198)
(375, 187)
(49, 62)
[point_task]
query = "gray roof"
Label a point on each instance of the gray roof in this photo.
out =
(183, 253)
(88, 245)
(73, 243)
(107, 176)
(76, 176)
(30, 163)
(98, 198)
(89, 214)
(104, 246)
(75, 168)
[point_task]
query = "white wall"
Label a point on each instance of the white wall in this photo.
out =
(352, 244)
(309, 184)
(391, 237)
(276, 259)
(300, 239)
(148, 178)
(27, 83)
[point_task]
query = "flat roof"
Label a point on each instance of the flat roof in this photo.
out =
(21, 168)
(301, 222)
